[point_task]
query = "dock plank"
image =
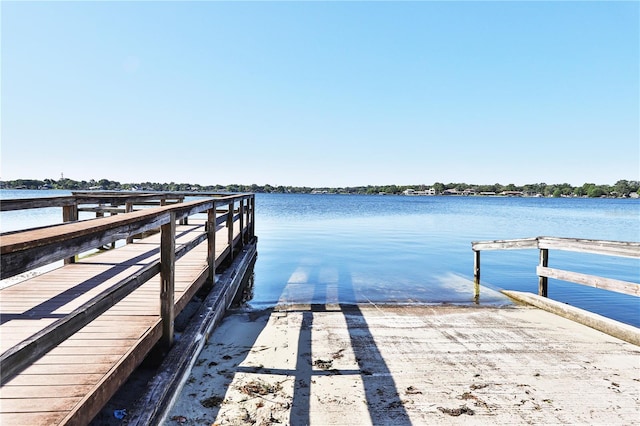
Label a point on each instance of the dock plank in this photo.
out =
(73, 380)
(43, 391)
(49, 380)
(36, 418)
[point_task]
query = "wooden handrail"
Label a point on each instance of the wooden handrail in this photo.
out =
(25, 250)
(36, 203)
(609, 248)
(610, 284)
(521, 243)
(606, 247)
(544, 244)
(17, 247)
(113, 199)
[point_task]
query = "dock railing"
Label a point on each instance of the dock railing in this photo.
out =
(22, 251)
(544, 244)
(104, 203)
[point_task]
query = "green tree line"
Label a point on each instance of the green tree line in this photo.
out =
(622, 188)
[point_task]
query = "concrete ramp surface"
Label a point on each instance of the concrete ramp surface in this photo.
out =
(383, 365)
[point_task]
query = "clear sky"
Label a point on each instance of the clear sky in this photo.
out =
(321, 93)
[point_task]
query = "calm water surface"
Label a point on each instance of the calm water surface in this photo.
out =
(397, 249)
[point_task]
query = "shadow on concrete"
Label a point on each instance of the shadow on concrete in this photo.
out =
(47, 308)
(383, 399)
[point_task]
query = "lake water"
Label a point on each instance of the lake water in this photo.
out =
(398, 249)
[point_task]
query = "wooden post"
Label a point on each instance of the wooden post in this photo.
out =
(230, 228)
(211, 242)
(253, 216)
(70, 214)
(128, 208)
(241, 227)
(542, 281)
(167, 284)
(249, 219)
(249, 208)
(113, 213)
(185, 220)
(476, 274)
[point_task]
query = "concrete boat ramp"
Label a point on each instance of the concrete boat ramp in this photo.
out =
(402, 365)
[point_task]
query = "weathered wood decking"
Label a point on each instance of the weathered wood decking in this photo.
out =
(70, 383)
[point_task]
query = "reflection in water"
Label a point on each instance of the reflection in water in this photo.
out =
(417, 250)
(245, 292)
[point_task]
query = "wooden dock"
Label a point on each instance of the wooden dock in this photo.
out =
(72, 336)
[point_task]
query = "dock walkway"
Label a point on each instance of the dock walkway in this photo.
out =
(70, 383)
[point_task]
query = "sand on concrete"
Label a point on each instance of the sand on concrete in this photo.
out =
(419, 365)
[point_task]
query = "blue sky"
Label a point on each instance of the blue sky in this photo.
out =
(321, 93)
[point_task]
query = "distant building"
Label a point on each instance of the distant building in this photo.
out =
(410, 191)
(511, 193)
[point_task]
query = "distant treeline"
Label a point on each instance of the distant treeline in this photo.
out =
(622, 188)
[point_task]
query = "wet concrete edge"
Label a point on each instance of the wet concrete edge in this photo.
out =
(614, 328)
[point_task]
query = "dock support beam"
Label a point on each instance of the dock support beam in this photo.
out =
(167, 277)
(230, 228)
(542, 281)
(211, 243)
(128, 208)
(252, 203)
(476, 275)
(70, 214)
(241, 227)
